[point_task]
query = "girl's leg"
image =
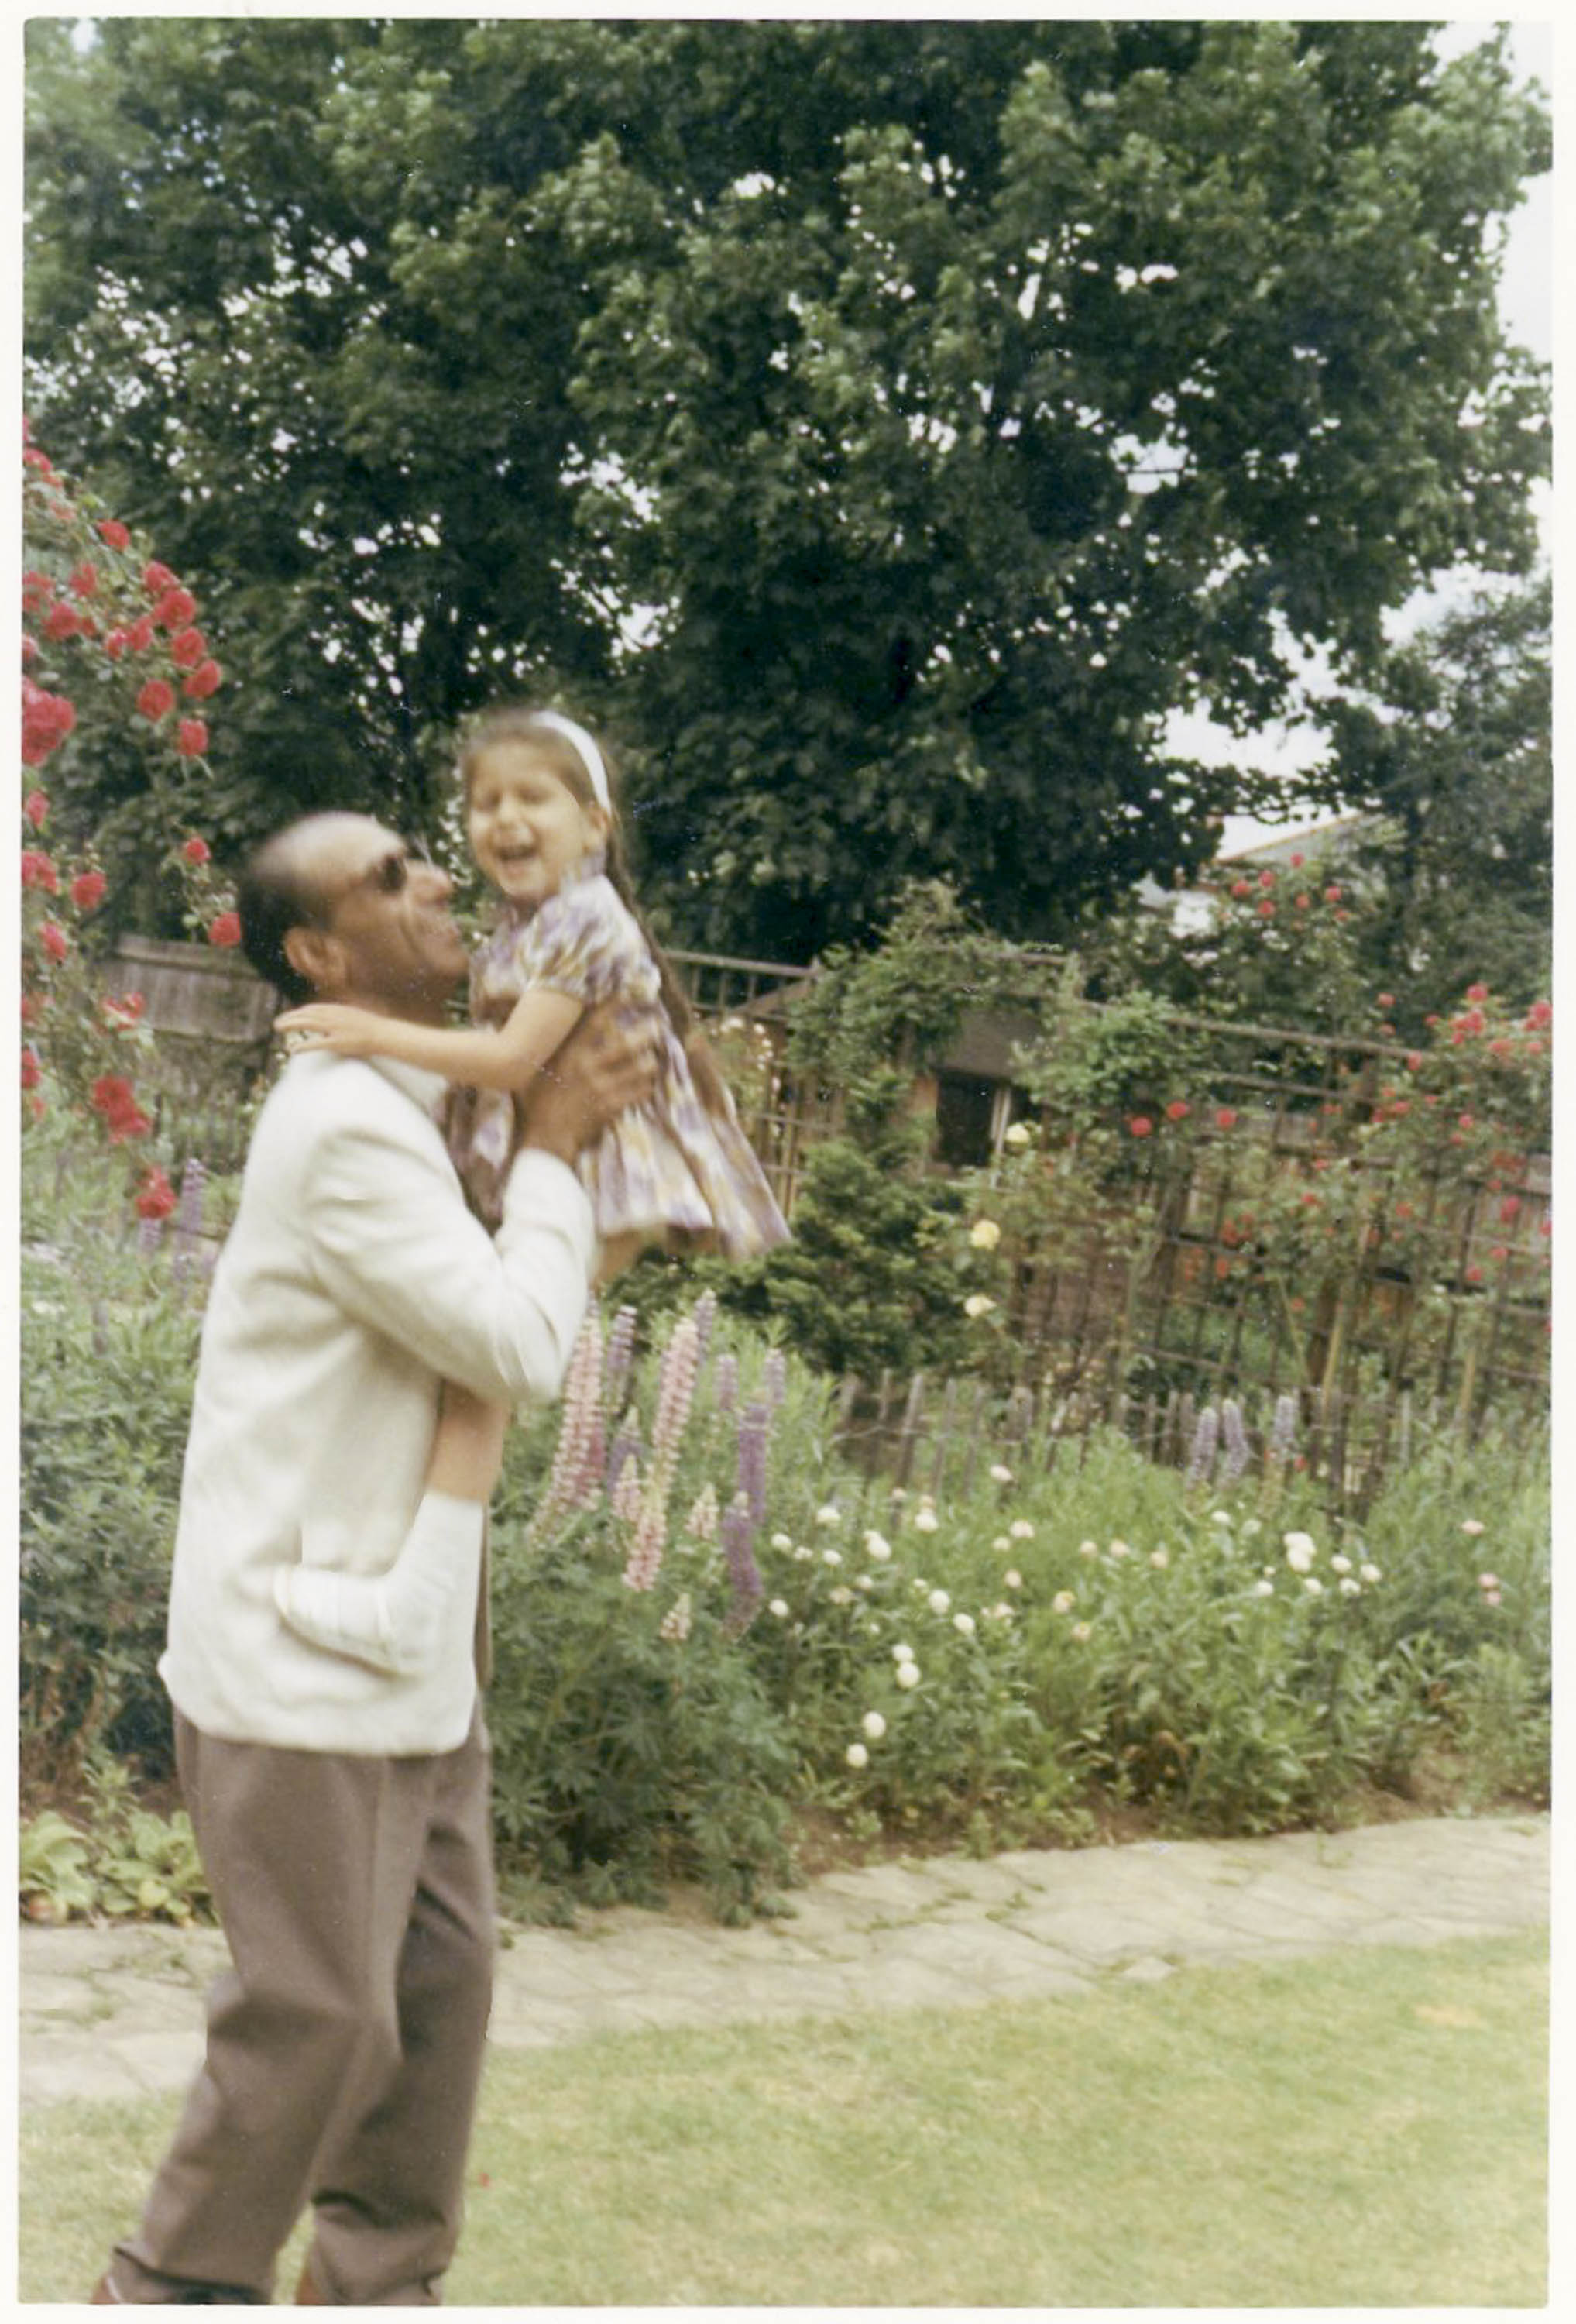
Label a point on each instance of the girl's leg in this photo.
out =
(392, 1620)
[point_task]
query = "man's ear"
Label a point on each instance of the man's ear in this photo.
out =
(317, 955)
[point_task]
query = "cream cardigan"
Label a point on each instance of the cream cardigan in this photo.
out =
(353, 1282)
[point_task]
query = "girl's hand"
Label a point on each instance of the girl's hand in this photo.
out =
(334, 1024)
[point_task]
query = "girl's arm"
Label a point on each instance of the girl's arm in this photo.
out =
(506, 1059)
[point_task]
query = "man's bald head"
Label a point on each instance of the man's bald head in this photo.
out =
(282, 887)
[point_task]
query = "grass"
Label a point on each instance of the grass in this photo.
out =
(1362, 2129)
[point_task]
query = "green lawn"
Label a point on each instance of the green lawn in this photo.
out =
(1364, 2129)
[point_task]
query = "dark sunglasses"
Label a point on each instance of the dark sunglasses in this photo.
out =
(389, 875)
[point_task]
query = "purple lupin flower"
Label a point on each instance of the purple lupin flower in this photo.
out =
(575, 1478)
(621, 1347)
(1238, 1453)
(149, 1234)
(1205, 1437)
(705, 1320)
(624, 1447)
(743, 1573)
(774, 1379)
(701, 1523)
(626, 1495)
(194, 1179)
(726, 1391)
(754, 1430)
(1283, 1435)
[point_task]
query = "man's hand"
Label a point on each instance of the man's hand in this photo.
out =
(336, 1025)
(606, 1066)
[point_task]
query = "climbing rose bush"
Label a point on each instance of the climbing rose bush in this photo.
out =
(110, 641)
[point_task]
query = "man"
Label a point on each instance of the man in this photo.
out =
(342, 1810)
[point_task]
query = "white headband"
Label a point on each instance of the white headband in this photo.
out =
(591, 757)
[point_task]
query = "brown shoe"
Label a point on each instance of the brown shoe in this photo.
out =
(103, 2296)
(307, 2292)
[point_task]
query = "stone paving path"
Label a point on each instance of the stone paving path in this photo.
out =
(115, 2012)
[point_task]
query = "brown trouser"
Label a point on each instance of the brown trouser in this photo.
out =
(345, 2048)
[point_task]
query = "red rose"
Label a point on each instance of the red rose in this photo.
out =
(186, 647)
(156, 700)
(29, 648)
(1298, 862)
(175, 609)
(37, 591)
(1177, 1110)
(124, 1009)
(1331, 895)
(88, 890)
(1539, 1015)
(30, 1069)
(36, 808)
(204, 680)
(110, 529)
(1302, 902)
(112, 1094)
(1414, 1060)
(84, 582)
(62, 621)
(1266, 910)
(1225, 1117)
(157, 578)
(1266, 878)
(191, 738)
(155, 1196)
(225, 929)
(115, 644)
(1474, 1275)
(1476, 993)
(1466, 1120)
(1240, 887)
(53, 941)
(140, 636)
(1510, 1209)
(1141, 1125)
(39, 871)
(1386, 999)
(196, 850)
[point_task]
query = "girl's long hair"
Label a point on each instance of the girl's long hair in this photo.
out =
(521, 722)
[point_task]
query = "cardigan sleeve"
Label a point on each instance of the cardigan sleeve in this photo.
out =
(398, 1251)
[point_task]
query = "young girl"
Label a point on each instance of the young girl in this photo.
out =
(679, 1172)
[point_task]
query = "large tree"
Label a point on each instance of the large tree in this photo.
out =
(883, 426)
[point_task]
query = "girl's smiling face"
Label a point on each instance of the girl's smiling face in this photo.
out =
(528, 828)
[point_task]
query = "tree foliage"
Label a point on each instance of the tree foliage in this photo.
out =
(883, 426)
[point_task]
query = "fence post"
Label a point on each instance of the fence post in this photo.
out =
(906, 1435)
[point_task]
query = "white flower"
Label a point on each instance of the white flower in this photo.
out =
(857, 1756)
(782, 1541)
(1013, 1579)
(1001, 1613)
(803, 1556)
(1080, 1630)
(778, 1606)
(1120, 1549)
(984, 1234)
(939, 1602)
(977, 1304)
(1062, 1603)
(1473, 1526)
(926, 1520)
(1264, 1588)
(965, 1623)
(864, 1581)
(842, 1596)
(1340, 1564)
(1018, 1135)
(1221, 1517)
(1370, 1572)
(1314, 1586)
(1487, 1581)
(1160, 1557)
(1349, 1587)
(901, 1654)
(830, 1557)
(1251, 1526)
(1000, 1475)
(1002, 1541)
(1300, 1551)
(1021, 1529)
(1088, 1549)
(829, 1515)
(876, 1545)
(874, 1725)
(898, 1493)
(908, 1673)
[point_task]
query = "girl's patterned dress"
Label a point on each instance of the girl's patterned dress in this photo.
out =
(672, 1168)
